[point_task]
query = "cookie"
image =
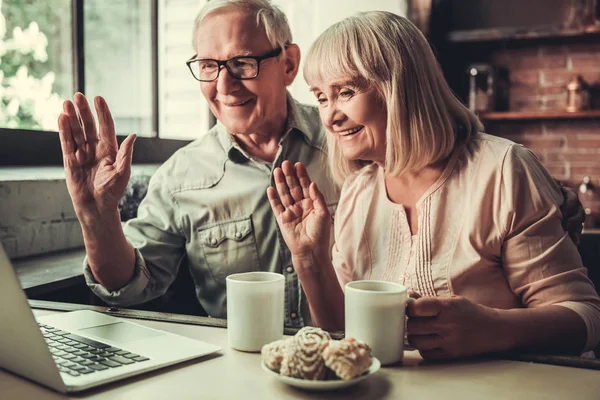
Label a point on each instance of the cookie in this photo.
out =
(272, 354)
(302, 356)
(348, 358)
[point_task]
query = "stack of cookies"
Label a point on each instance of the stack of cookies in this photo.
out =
(311, 354)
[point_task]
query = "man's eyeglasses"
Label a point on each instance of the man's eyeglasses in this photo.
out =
(242, 67)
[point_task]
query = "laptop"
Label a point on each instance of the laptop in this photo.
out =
(77, 350)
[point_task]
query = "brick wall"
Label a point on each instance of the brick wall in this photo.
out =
(539, 73)
(570, 149)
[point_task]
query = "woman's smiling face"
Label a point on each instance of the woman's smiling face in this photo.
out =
(357, 116)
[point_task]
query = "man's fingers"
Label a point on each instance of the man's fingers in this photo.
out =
(125, 155)
(76, 128)
(87, 118)
(424, 307)
(282, 188)
(67, 143)
(106, 132)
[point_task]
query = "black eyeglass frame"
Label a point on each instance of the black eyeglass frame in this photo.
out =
(223, 63)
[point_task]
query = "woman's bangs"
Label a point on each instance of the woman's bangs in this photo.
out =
(326, 63)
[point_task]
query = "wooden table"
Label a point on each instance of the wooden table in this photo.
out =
(237, 375)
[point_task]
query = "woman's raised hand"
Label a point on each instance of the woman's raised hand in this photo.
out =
(96, 169)
(301, 211)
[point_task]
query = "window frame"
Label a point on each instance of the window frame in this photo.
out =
(24, 147)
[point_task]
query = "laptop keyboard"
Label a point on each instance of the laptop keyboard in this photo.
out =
(77, 355)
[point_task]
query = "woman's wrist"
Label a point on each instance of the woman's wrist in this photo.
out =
(550, 329)
(506, 336)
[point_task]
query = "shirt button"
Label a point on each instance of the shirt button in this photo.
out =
(294, 315)
(238, 235)
(290, 269)
(213, 241)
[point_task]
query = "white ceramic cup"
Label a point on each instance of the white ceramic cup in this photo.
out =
(255, 309)
(375, 314)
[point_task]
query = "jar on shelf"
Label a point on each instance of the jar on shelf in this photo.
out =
(587, 196)
(488, 88)
(578, 95)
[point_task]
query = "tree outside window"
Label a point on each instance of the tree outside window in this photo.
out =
(35, 62)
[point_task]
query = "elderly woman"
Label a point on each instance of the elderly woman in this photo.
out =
(469, 221)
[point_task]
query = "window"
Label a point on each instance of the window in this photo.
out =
(184, 112)
(308, 18)
(36, 69)
(118, 61)
(132, 52)
(51, 49)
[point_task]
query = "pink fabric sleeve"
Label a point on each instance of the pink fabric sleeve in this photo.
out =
(541, 262)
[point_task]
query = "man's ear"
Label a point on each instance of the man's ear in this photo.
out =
(291, 63)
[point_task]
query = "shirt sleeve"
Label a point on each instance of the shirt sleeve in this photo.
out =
(159, 248)
(343, 272)
(128, 294)
(541, 262)
(346, 234)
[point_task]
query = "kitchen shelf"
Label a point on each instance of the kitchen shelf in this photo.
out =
(488, 35)
(538, 115)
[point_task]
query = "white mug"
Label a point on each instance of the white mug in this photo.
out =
(375, 314)
(255, 309)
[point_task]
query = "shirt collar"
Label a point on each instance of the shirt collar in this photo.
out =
(296, 122)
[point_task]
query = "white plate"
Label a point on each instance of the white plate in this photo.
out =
(323, 385)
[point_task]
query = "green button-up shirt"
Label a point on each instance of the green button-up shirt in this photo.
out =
(207, 208)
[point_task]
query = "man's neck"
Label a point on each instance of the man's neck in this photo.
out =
(263, 145)
(260, 146)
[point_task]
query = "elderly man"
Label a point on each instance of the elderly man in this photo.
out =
(206, 207)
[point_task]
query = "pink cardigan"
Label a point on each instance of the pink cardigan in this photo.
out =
(489, 230)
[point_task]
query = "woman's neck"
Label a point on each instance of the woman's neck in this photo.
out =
(408, 187)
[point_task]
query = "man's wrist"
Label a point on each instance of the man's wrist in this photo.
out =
(310, 260)
(95, 219)
(101, 226)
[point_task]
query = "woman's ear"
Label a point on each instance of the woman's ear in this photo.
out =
(291, 62)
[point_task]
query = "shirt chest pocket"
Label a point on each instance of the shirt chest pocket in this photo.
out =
(229, 248)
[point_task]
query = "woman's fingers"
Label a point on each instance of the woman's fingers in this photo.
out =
(425, 342)
(434, 354)
(422, 326)
(303, 178)
(424, 307)
(275, 201)
(282, 188)
(319, 202)
(292, 181)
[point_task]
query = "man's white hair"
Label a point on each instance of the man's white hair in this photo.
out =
(269, 16)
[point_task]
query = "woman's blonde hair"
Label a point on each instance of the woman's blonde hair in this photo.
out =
(269, 16)
(425, 120)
